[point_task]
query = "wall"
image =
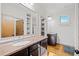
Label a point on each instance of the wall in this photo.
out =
(65, 32)
(41, 12)
(78, 25)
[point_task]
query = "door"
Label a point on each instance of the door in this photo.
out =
(19, 27)
(7, 27)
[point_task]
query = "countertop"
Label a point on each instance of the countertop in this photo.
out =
(7, 49)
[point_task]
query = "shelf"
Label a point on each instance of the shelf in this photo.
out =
(42, 26)
(28, 23)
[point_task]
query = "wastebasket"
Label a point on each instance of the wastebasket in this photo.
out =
(52, 39)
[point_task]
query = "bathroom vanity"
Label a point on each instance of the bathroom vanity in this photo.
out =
(31, 46)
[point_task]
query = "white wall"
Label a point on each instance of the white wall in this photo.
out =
(78, 25)
(40, 9)
(41, 12)
(76, 34)
(65, 32)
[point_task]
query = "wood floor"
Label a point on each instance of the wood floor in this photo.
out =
(57, 50)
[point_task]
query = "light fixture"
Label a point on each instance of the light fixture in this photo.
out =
(49, 18)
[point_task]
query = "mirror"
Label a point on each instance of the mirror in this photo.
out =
(7, 26)
(19, 27)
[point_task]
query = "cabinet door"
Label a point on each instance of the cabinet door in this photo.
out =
(44, 43)
(43, 47)
(34, 52)
(23, 52)
(33, 47)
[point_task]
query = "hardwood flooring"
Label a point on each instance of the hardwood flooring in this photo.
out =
(57, 50)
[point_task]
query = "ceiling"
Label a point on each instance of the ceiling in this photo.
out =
(53, 7)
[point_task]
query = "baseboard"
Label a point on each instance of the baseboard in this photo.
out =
(65, 44)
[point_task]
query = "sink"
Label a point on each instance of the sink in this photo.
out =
(20, 43)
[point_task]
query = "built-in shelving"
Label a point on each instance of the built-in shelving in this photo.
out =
(42, 26)
(28, 23)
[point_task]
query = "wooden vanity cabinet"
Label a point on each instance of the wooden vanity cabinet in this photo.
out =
(44, 43)
(34, 49)
(37, 49)
(43, 47)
